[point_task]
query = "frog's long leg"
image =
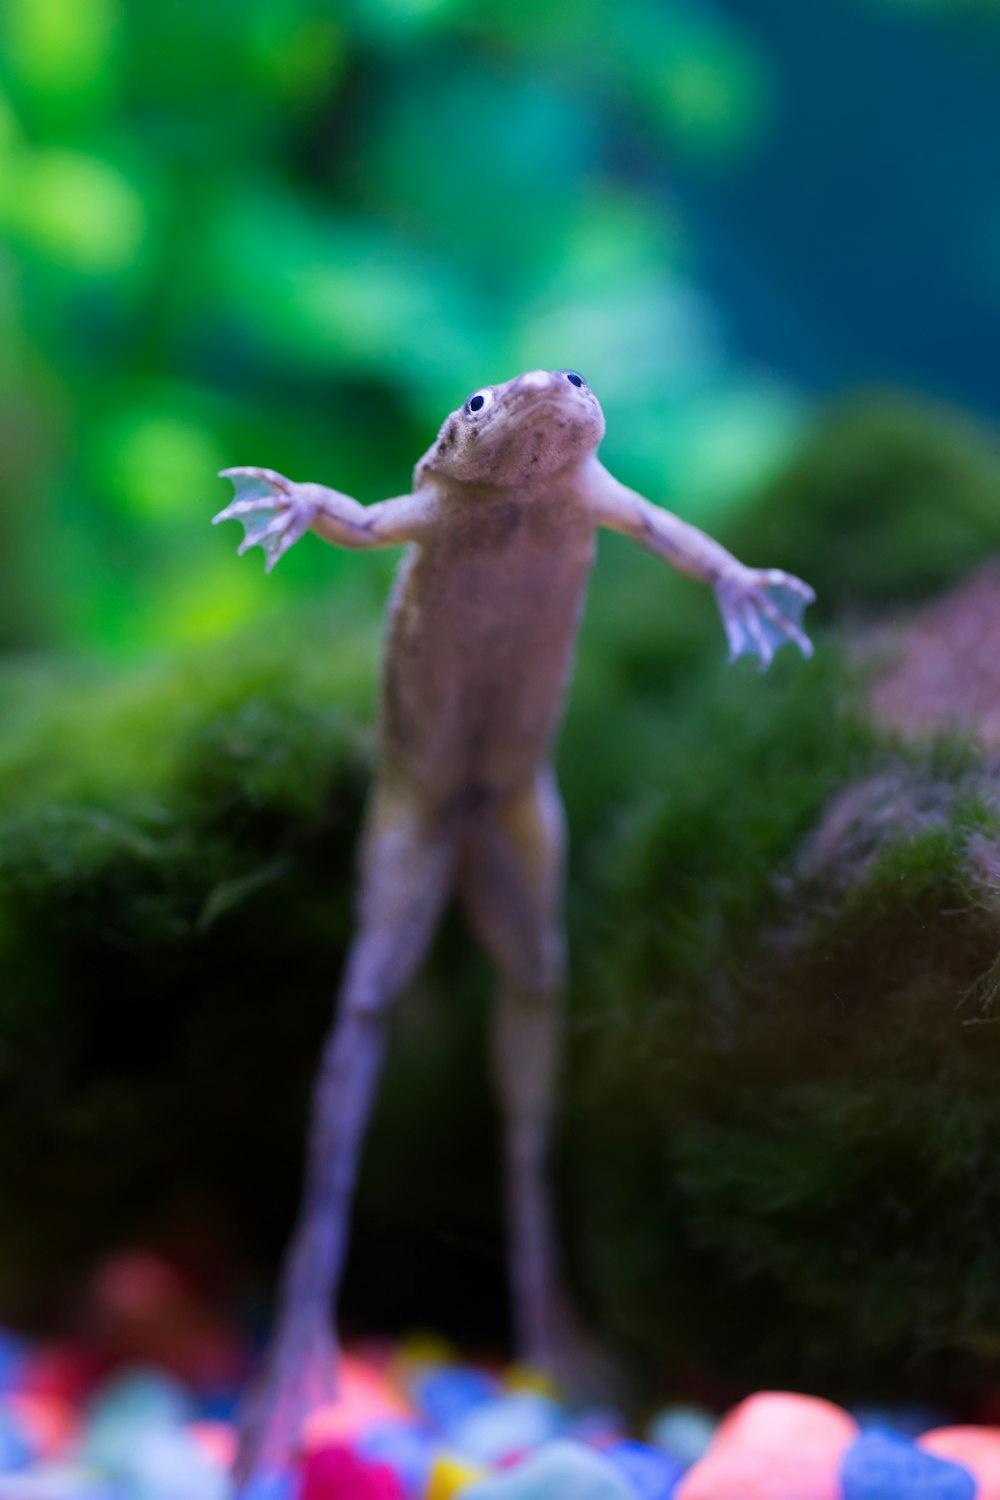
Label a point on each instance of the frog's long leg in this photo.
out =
(407, 861)
(512, 881)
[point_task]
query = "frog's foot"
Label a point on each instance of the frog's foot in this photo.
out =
(273, 511)
(761, 610)
(299, 1374)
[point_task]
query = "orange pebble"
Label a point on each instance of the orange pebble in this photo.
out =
(774, 1446)
(364, 1397)
(978, 1448)
(49, 1422)
(217, 1440)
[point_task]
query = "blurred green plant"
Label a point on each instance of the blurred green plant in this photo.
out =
(283, 232)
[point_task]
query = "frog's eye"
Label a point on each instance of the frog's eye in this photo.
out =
(574, 378)
(479, 401)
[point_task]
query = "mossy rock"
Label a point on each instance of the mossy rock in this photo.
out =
(787, 1118)
(891, 498)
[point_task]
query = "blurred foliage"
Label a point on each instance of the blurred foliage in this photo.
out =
(293, 233)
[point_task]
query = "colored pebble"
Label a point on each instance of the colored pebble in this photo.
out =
(365, 1397)
(271, 1487)
(652, 1473)
(337, 1473)
(683, 1431)
(978, 1448)
(561, 1469)
(407, 1447)
(451, 1476)
(781, 1420)
(48, 1422)
(506, 1427)
(15, 1448)
(59, 1482)
(909, 1421)
(774, 1446)
(136, 1400)
(443, 1396)
(12, 1353)
(887, 1466)
(167, 1464)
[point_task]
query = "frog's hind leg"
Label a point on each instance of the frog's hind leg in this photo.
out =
(407, 860)
(511, 881)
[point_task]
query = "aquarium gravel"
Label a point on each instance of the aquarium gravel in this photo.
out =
(414, 1422)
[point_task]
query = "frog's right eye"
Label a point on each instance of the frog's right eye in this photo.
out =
(479, 401)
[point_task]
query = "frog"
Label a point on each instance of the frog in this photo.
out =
(500, 529)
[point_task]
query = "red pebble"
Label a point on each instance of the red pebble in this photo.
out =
(774, 1446)
(978, 1448)
(69, 1372)
(335, 1473)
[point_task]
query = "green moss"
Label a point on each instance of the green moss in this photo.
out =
(891, 498)
(786, 1109)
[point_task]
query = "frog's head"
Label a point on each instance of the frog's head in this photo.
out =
(529, 428)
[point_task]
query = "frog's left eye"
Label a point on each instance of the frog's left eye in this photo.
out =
(479, 401)
(574, 378)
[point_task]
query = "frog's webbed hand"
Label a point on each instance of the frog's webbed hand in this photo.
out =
(275, 512)
(761, 607)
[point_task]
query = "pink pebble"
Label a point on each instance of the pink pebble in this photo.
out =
(49, 1421)
(364, 1398)
(751, 1474)
(781, 1420)
(774, 1446)
(335, 1473)
(978, 1448)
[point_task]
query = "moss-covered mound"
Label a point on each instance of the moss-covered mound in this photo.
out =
(176, 871)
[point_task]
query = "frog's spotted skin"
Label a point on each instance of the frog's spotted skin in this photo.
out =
(501, 527)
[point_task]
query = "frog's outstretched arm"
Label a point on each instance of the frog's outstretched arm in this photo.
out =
(761, 607)
(275, 512)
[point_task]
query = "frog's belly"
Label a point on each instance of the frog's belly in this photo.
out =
(477, 662)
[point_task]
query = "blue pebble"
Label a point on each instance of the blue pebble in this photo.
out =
(443, 1395)
(518, 1422)
(406, 1447)
(15, 1449)
(561, 1471)
(12, 1352)
(910, 1421)
(219, 1405)
(59, 1482)
(883, 1465)
(683, 1431)
(270, 1487)
(653, 1473)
